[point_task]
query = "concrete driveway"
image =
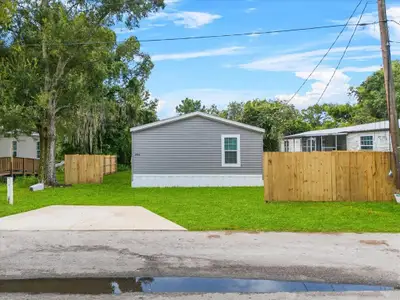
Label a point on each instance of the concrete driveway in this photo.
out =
(61, 217)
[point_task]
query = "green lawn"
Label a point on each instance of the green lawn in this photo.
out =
(215, 208)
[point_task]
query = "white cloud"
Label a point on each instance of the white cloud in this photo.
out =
(363, 57)
(170, 2)
(301, 64)
(393, 13)
(158, 25)
(207, 96)
(250, 10)
(300, 61)
(205, 53)
(337, 91)
(361, 69)
(188, 19)
(160, 106)
(255, 35)
(124, 30)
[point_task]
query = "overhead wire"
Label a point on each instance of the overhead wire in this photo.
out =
(326, 53)
(343, 55)
(213, 36)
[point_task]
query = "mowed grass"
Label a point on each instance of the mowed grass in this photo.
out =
(215, 208)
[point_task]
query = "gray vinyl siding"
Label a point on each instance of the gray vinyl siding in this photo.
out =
(193, 146)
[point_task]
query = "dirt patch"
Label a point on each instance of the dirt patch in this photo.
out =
(214, 236)
(374, 242)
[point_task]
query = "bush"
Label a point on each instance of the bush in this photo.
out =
(25, 181)
(122, 168)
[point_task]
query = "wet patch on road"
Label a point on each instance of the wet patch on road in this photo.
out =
(98, 286)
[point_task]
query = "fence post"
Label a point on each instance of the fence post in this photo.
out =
(11, 166)
(23, 166)
(10, 190)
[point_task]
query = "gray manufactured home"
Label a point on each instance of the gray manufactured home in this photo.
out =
(196, 149)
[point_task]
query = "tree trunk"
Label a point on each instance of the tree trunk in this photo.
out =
(43, 138)
(49, 132)
(51, 146)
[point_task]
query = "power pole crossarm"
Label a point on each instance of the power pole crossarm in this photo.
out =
(390, 92)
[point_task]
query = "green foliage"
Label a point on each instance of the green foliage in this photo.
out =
(123, 168)
(371, 94)
(63, 69)
(216, 208)
(234, 111)
(212, 110)
(276, 117)
(25, 181)
(329, 115)
(189, 105)
(7, 10)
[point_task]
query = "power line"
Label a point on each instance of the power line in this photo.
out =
(199, 37)
(343, 55)
(394, 21)
(327, 52)
(254, 33)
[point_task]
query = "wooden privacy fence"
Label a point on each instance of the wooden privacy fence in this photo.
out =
(88, 168)
(10, 166)
(110, 164)
(327, 176)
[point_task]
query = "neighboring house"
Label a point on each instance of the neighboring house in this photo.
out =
(365, 137)
(22, 146)
(196, 149)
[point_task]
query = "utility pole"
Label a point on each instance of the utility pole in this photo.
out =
(390, 92)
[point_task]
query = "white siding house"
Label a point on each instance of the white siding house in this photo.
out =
(22, 146)
(365, 137)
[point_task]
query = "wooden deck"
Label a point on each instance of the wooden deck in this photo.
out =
(18, 166)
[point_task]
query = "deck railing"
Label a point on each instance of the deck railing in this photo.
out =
(10, 166)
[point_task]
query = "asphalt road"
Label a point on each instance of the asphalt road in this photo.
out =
(278, 296)
(334, 258)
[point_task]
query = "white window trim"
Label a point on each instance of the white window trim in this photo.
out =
(286, 146)
(223, 136)
(38, 150)
(16, 148)
(373, 143)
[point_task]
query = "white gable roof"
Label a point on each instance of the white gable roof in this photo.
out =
(197, 114)
(377, 126)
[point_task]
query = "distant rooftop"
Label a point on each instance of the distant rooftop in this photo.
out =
(377, 126)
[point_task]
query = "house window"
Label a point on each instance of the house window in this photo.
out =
(309, 144)
(230, 146)
(367, 142)
(37, 150)
(286, 145)
(14, 148)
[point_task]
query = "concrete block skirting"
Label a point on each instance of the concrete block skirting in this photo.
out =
(189, 180)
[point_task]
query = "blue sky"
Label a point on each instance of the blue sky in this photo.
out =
(218, 71)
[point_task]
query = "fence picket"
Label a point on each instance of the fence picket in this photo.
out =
(88, 168)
